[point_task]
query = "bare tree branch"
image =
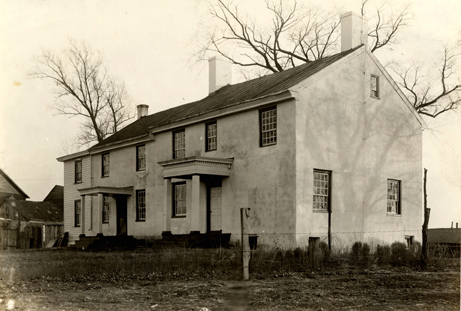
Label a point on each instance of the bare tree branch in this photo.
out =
(84, 89)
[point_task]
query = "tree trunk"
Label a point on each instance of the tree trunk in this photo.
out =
(427, 212)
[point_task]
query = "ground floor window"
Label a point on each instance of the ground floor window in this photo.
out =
(393, 197)
(409, 239)
(141, 205)
(179, 199)
(77, 212)
(105, 209)
(322, 190)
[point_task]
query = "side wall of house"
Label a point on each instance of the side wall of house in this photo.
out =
(363, 142)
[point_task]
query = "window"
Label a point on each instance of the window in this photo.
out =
(322, 190)
(77, 212)
(141, 205)
(409, 239)
(374, 86)
(78, 171)
(179, 144)
(268, 126)
(393, 196)
(179, 199)
(105, 209)
(211, 136)
(141, 158)
(105, 164)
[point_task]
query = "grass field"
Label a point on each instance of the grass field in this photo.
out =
(208, 280)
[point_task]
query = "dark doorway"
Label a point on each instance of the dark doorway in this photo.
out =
(121, 215)
(214, 205)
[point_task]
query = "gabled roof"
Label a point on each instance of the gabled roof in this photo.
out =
(38, 211)
(56, 195)
(13, 184)
(227, 96)
(444, 236)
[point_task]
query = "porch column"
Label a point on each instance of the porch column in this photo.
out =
(100, 205)
(167, 203)
(195, 204)
(82, 215)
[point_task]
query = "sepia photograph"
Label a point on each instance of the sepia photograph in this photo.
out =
(230, 155)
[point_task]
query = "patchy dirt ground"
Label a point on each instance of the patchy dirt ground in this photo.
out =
(377, 290)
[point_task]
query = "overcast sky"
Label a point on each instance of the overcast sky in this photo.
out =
(149, 45)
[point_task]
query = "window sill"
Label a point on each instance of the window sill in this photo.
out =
(268, 145)
(141, 170)
(211, 150)
(179, 216)
(105, 176)
(76, 226)
(394, 215)
(140, 220)
(320, 211)
(374, 97)
(77, 182)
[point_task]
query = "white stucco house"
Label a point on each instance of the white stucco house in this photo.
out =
(329, 146)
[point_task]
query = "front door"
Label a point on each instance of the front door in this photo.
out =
(215, 209)
(121, 215)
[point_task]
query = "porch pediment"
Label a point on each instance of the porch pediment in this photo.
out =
(196, 166)
(106, 190)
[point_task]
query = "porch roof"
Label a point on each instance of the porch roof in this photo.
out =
(106, 190)
(196, 166)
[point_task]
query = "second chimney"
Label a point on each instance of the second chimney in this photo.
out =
(353, 31)
(220, 74)
(142, 110)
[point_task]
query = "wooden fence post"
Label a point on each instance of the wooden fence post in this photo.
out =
(246, 254)
(427, 212)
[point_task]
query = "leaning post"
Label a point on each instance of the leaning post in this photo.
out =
(246, 254)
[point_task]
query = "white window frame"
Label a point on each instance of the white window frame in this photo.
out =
(321, 190)
(394, 203)
(141, 205)
(105, 209)
(179, 144)
(180, 196)
(141, 158)
(374, 86)
(268, 126)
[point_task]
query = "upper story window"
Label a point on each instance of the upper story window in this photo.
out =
(179, 144)
(211, 136)
(78, 171)
(268, 126)
(77, 212)
(141, 158)
(140, 205)
(105, 209)
(179, 199)
(374, 86)
(393, 197)
(105, 164)
(322, 190)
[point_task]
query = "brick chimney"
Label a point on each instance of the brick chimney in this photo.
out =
(353, 31)
(142, 110)
(220, 73)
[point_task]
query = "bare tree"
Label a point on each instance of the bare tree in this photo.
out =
(83, 88)
(441, 93)
(298, 34)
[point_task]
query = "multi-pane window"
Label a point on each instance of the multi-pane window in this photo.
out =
(374, 86)
(78, 171)
(393, 196)
(141, 205)
(268, 123)
(105, 209)
(179, 144)
(211, 136)
(322, 186)
(141, 158)
(77, 212)
(105, 164)
(179, 199)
